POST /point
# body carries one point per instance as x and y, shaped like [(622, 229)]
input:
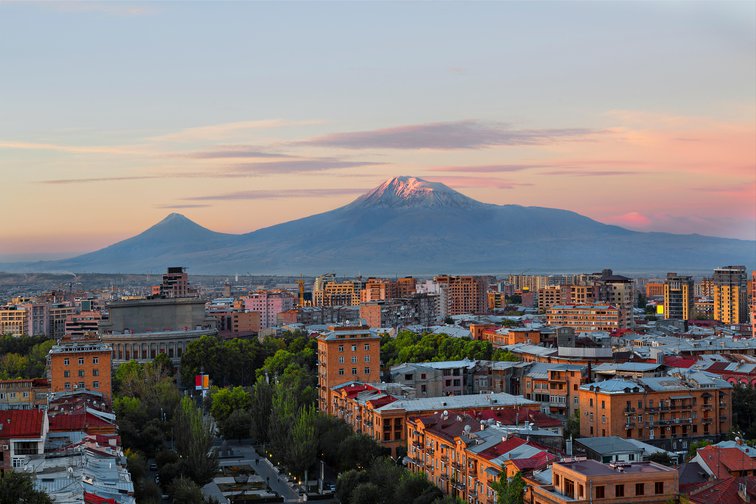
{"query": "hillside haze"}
[(409, 225)]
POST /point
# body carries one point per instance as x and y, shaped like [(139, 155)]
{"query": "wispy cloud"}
[(71, 149), (298, 166), (461, 182), (468, 134), (99, 179), (502, 168), (591, 173), (234, 152), (258, 194), (182, 206), (221, 131)]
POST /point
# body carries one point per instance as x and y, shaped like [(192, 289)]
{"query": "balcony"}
[(457, 465), (26, 451)]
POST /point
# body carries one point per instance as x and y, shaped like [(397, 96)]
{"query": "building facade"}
[(585, 318), (678, 297), (84, 364), (730, 295)]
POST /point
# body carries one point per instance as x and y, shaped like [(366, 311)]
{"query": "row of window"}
[(95, 360), (354, 347), (354, 359), (67, 373), (11, 395), (95, 384), (354, 371)]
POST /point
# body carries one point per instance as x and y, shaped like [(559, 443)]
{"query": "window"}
[(659, 487), (81, 361), (95, 360), (354, 359), (66, 373), (26, 394), (81, 384), (354, 370), (341, 348), (591, 402), (367, 358), (341, 371), (599, 492), (65, 362), (422, 376), (639, 488), (67, 386), (603, 404), (367, 347), (95, 372), (367, 370), (574, 386), (354, 348), (619, 490), (603, 419), (81, 373), (96, 384)]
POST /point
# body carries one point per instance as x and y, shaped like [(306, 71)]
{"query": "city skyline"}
[(242, 116)]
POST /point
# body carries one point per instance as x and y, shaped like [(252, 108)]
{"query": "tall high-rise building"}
[(346, 353), (678, 297), (464, 294), (730, 295), (618, 291), (269, 304)]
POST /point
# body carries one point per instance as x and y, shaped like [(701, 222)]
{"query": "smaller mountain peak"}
[(174, 217), (408, 191)]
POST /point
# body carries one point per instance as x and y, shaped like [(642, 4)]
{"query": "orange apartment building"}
[(334, 293), (654, 289), (81, 365), (585, 317), (378, 289), (81, 324), (13, 321), (346, 354), (668, 411), (463, 456), (464, 294), (589, 481), (555, 386), (382, 410), (23, 394)]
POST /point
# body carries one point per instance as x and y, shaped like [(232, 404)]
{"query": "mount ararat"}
[(409, 226)]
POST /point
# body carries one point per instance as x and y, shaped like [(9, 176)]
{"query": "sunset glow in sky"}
[(245, 115)]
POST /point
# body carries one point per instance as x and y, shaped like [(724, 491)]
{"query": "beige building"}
[(13, 321), (585, 318), (678, 297), (730, 295)]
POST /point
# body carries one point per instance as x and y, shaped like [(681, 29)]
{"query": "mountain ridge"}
[(412, 226)]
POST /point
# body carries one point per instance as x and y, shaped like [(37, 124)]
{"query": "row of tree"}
[(23, 357), (408, 346)]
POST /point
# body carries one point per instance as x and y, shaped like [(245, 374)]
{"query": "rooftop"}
[(594, 468)]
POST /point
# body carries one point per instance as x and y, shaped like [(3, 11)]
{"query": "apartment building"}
[(585, 317), (617, 291), (654, 290), (269, 303), (584, 481), (382, 410), (678, 297), (81, 365), (13, 321), (333, 293), (22, 433), (23, 393), (730, 295), (346, 354), (555, 386), (463, 455), (80, 324), (464, 294), (667, 411)]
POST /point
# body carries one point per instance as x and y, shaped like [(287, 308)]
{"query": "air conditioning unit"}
[(4, 447)]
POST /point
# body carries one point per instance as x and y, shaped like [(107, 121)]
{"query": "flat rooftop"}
[(594, 468)]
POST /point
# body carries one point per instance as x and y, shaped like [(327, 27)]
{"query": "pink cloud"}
[(630, 219)]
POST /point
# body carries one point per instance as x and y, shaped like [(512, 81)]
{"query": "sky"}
[(242, 115)]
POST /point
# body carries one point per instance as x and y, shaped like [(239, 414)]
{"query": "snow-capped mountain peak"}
[(406, 191)]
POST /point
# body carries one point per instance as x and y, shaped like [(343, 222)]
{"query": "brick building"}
[(81, 365), (668, 411), (585, 318)]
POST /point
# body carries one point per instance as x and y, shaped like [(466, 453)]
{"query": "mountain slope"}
[(408, 225)]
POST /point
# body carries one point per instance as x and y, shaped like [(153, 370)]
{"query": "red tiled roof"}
[(679, 362), (354, 390), (66, 422), (723, 491), (21, 423), (500, 449), (381, 401), (537, 461)]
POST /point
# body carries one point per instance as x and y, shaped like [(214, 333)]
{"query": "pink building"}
[(269, 304)]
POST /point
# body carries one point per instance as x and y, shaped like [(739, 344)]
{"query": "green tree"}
[(661, 458), (194, 438), (186, 491), (695, 445), (16, 487), (573, 426), (237, 425), (303, 449), (227, 400), (367, 493), (509, 491), (744, 410), (347, 482), (504, 355), (282, 415), (260, 406), (358, 450)]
